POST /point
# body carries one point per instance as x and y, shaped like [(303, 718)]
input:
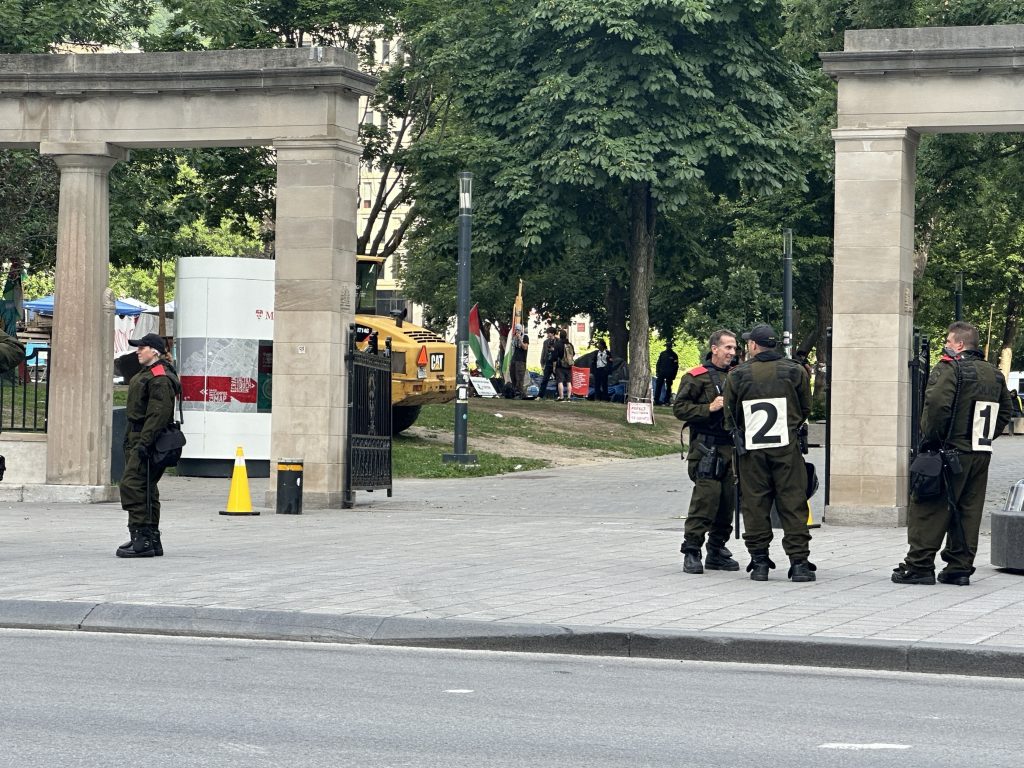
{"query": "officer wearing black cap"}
[(150, 408), (767, 398)]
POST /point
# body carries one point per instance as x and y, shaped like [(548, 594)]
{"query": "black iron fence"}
[(369, 419), (920, 369), (828, 415), (25, 394)]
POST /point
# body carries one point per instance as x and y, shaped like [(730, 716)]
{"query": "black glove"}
[(143, 451)]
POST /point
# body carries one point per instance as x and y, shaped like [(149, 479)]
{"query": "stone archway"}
[(894, 85), (88, 112)]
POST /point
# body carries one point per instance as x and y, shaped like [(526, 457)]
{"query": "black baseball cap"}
[(150, 340), (762, 334)]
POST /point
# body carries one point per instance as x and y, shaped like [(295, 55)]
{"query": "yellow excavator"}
[(422, 363)]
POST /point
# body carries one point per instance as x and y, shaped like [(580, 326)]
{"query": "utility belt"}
[(711, 438)]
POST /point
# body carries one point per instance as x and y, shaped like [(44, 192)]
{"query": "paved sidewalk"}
[(582, 559)]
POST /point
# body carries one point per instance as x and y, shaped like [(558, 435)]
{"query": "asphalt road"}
[(75, 699)]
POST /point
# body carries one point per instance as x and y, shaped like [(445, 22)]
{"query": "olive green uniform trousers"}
[(133, 487), (929, 522), (779, 475), (711, 505)]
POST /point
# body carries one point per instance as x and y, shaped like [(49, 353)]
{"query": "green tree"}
[(44, 26), (29, 183), (628, 106)]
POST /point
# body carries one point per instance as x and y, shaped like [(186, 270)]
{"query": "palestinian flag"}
[(517, 319), (11, 303), (477, 342)]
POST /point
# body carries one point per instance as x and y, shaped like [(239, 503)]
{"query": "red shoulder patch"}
[(698, 370), (158, 370)]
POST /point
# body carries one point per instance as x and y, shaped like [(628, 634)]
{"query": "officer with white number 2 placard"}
[(767, 398), (966, 407)]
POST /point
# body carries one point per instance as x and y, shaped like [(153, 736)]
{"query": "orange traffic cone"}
[(239, 501)]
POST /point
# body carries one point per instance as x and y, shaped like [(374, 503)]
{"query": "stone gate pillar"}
[(314, 303), (81, 365), (873, 309)]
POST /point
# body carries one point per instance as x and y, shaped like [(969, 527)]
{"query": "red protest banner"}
[(580, 381)]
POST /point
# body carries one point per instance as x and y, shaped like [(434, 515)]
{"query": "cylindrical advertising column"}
[(224, 325)]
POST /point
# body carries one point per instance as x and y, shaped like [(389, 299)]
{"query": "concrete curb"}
[(899, 656)]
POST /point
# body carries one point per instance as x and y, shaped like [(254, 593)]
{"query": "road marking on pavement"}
[(244, 749), (840, 745), (459, 690)]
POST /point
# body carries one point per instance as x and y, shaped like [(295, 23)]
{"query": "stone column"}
[(873, 308), (81, 365), (314, 303)]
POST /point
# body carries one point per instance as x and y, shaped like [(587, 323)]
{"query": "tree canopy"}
[(635, 160)]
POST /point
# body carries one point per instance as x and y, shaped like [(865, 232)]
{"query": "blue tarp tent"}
[(44, 306)]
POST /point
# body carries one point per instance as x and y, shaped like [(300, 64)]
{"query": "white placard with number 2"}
[(983, 426), (765, 423)]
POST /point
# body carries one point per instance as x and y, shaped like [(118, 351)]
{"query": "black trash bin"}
[(289, 486)]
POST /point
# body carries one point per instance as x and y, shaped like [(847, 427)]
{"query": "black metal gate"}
[(920, 369), (25, 394), (828, 417), (368, 467)]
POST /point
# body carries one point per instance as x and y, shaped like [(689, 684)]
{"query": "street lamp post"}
[(958, 297), (787, 291), (459, 455)]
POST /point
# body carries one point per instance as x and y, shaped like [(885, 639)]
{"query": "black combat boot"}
[(759, 566), (957, 579), (901, 574), (158, 547), (141, 545), (691, 559), (802, 570), (720, 559), (131, 535)]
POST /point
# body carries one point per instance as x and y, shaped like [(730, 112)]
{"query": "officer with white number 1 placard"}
[(966, 407), (767, 398)]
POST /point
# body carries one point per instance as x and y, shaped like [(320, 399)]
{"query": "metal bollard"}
[(289, 486), (1007, 542)]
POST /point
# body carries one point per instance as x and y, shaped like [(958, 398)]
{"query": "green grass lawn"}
[(580, 426), (416, 457)]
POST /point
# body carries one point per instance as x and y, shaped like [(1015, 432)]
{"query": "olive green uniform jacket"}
[(983, 409), (712, 503), (772, 470), (150, 408), (12, 352)]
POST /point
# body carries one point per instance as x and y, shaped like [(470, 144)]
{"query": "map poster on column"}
[(219, 374)]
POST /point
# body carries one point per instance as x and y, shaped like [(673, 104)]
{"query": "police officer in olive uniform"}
[(12, 352), (767, 398), (150, 408), (709, 461), (983, 409)]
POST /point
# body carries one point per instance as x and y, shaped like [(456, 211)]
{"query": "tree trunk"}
[(824, 311), (642, 220), (615, 301), (1010, 330)]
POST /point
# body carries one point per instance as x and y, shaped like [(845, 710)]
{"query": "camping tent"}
[(44, 306)]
